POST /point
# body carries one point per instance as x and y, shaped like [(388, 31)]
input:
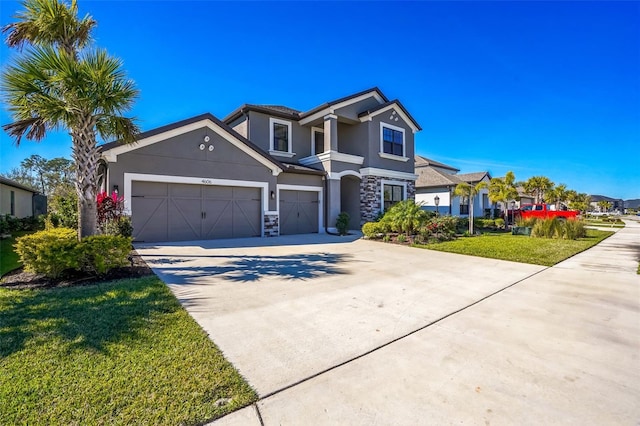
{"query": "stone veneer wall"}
[(370, 190), (271, 225)]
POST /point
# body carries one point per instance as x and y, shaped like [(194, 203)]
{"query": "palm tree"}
[(470, 191), (50, 23), (502, 190), (604, 206), (556, 195), (538, 186), (48, 89)]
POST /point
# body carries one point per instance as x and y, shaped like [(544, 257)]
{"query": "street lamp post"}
[(437, 201)]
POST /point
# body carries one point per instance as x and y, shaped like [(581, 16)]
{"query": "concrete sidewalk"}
[(561, 347)]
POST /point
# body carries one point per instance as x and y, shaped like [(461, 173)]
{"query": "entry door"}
[(298, 212)]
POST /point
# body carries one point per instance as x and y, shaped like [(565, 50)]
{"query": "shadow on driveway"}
[(248, 268)]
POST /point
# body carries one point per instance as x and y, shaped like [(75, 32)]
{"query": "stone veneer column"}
[(271, 225), (371, 196)]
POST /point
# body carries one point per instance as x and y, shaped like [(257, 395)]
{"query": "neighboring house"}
[(440, 180), (20, 200), (616, 204), (266, 170), (523, 198)]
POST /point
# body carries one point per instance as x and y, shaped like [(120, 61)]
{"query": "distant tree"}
[(469, 191), (538, 186), (42, 174), (604, 205), (578, 201), (557, 195), (57, 84), (502, 190)]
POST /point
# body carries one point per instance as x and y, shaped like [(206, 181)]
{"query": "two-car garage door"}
[(180, 212)]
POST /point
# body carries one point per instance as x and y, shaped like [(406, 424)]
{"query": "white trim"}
[(399, 111), (111, 155), (339, 175), (273, 121), (392, 174), (384, 182), (129, 178), (393, 157), (330, 116), (332, 156), (332, 108), (404, 141), (313, 139), (282, 154), (318, 189)]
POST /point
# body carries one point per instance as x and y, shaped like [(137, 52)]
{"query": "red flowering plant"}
[(111, 217)]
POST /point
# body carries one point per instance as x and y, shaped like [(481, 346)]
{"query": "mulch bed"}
[(21, 280)]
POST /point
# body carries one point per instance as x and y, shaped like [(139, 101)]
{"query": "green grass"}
[(604, 224), (123, 352), (9, 260), (520, 248)]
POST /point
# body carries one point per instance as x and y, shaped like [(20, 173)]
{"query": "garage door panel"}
[(298, 212), (179, 212), (150, 219)]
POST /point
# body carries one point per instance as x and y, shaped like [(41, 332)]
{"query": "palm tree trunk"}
[(470, 215), (85, 153)]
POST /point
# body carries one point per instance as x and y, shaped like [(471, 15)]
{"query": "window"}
[(13, 203), (392, 140), (317, 141), (392, 195), (280, 137), (464, 205)]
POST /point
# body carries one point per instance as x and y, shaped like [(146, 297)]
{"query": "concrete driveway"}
[(337, 330)]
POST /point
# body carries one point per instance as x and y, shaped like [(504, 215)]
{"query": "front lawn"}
[(122, 352), (519, 248), (9, 260)]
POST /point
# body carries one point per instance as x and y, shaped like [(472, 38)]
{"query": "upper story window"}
[(280, 137), (392, 142), (317, 141)]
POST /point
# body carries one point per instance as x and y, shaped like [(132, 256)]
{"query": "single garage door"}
[(298, 212), (181, 212)]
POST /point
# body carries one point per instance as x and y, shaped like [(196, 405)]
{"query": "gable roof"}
[(430, 177), (365, 115), (421, 161), (374, 91), (275, 110), (13, 183), (473, 177), (112, 149)]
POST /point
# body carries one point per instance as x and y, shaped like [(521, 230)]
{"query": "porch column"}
[(333, 203), (331, 132)]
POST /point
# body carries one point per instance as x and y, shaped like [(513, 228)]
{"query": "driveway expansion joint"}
[(377, 348)]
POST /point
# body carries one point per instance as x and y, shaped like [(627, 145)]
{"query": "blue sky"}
[(539, 88)]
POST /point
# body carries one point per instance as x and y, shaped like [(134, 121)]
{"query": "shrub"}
[(499, 223), (49, 252), (484, 223), (462, 225), (342, 223), (110, 211), (405, 216), (402, 238), (386, 238), (547, 228), (120, 226), (530, 222), (574, 229), (373, 229), (98, 254), (440, 228)]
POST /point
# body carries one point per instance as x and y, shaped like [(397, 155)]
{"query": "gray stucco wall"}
[(352, 111), (353, 138), (181, 156), (300, 179), (374, 159), (259, 131)]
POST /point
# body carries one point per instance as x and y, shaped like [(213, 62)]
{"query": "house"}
[(266, 169), (616, 204), (439, 180), (20, 200)]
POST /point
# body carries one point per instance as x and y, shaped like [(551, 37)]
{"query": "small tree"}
[(503, 190), (470, 191), (538, 186), (604, 205)]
